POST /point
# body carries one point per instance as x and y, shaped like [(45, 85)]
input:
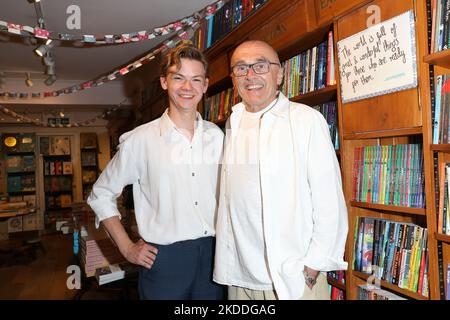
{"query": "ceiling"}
[(77, 63)]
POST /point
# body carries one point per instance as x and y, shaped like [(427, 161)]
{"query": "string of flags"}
[(28, 31), (184, 34), (39, 123)]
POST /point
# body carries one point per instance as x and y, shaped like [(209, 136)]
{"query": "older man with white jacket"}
[(282, 220)]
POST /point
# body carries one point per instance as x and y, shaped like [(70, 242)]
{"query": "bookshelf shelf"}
[(336, 284), (23, 191), (441, 59), (391, 286), (59, 192), (383, 207), (443, 237), (384, 133), (317, 97), (20, 153), (20, 172), (440, 147)]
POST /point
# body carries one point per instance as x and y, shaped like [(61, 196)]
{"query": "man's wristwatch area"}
[(309, 279)]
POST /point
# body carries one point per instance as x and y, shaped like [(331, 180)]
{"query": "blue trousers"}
[(181, 271)]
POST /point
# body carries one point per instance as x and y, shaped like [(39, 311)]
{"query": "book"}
[(89, 176), (27, 142), (67, 167), (109, 273), (59, 146), (65, 200), (14, 163), (448, 282), (88, 140), (114, 272), (89, 158), (44, 145)]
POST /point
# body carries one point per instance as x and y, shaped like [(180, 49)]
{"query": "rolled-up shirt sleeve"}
[(119, 172), (326, 249)]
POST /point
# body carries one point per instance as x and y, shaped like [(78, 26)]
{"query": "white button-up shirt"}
[(175, 181), (303, 207)]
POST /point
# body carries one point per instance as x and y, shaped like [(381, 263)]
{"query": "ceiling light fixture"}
[(28, 81), (43, 49)]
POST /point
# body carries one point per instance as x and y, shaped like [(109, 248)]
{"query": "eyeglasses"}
[(261, 67)]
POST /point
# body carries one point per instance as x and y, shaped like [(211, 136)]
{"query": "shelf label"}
[(378, 60)]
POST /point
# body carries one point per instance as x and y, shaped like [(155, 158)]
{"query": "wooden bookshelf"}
[(402, 117), (391, 287), (443, 237), (317, 97), (383, 207), (440, 147), (336, 283), (384, 133), (441, 59)]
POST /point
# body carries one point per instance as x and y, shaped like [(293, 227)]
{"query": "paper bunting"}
[(185, 30), (103, 79), (26, 119), (189, 21)]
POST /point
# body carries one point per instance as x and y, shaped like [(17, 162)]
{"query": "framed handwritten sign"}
[(378, 60)]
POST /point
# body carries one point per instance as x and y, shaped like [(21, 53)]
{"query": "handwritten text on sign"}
[(378, 60)]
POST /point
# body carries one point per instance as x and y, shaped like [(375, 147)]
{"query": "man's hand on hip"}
[(141, 253), (310, 276)]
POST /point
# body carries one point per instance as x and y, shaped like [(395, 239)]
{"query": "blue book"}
[(437, 112), (210, 31), (320, 66)]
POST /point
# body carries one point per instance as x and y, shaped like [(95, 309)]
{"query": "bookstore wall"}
[(371, 70), (48, 170)]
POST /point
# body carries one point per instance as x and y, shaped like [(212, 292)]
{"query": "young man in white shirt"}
[(282, 220), (173, 165)]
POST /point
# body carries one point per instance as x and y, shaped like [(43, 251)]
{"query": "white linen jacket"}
[(304, 212)]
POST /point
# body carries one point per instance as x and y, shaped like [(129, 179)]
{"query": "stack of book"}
[(96, 251), (115, 272)]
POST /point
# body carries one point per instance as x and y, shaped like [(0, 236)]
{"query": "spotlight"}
[(50, 80), (61, 113), (43, 49), (28, 81)]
